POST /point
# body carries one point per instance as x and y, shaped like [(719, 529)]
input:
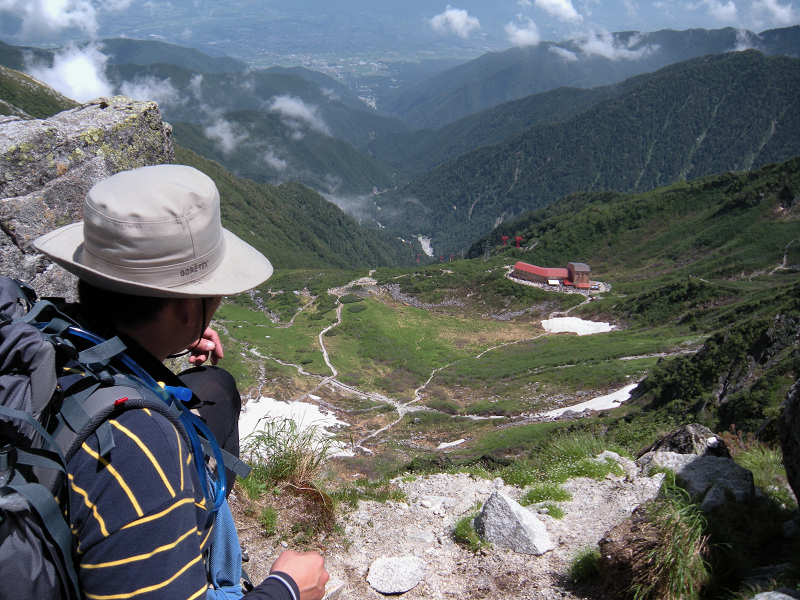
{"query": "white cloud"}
[(563, 53), (149, 88), (726, 13), (78, 73), (195, 86), (225, 134), (43, 17), (523, 34), (610, 47), (560, 9), (274, 161), (744, 40), (295, 113), (455, 21), (777, 14)]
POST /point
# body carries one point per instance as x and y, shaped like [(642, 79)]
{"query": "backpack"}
[(59, 385)]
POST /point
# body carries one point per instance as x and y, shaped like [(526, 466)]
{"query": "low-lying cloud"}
[(610, 47), (78, 73), (296, 114), (455, 20), (226, 136), (149, 88)]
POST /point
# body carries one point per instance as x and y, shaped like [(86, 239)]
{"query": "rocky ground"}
[(422, 527)]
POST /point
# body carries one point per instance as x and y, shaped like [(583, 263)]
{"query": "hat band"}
[(168, 276)]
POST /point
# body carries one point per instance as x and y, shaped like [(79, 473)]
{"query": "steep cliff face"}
[(47, 166)]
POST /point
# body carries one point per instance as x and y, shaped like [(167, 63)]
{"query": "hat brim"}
[(242, 268)]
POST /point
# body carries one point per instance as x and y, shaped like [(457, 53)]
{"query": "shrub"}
[(356, 308), (583, 565), (268, 519)]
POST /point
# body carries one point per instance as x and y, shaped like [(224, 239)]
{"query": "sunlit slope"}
[(720, 113)]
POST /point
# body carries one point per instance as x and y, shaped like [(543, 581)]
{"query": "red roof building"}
[(577, 274)]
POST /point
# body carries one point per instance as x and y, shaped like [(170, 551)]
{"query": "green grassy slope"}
[(22, 95), (719, 113)]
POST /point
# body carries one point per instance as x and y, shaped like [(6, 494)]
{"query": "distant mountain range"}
[(725, 112), (498, 77)]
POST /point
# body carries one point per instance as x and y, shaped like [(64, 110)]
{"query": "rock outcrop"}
[(47, 166), (789, 433), (691, 439)]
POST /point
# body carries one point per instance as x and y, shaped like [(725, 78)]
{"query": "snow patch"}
[(305, 415), (575, 325), (600, 403)]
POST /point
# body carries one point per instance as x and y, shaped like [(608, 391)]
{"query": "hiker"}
[(153, 264)]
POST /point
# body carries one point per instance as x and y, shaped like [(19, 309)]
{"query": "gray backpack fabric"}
[(44, 419)]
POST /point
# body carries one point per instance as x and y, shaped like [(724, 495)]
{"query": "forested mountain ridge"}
[(719, 113), (498, 77), (295, 227)]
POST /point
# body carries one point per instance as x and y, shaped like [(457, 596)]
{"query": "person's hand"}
[(206, 348), (308, 571)]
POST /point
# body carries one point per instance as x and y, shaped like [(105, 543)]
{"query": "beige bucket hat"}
[(156, 231)]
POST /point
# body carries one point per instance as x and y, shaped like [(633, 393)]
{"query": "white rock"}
[(396, 575)]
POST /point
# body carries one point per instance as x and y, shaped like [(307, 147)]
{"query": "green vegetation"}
[(19, 92), (544, 492), (281, 452), (268, 519), (583, 565), (676, 566), (295, 227), (644, 138), (465, 535)]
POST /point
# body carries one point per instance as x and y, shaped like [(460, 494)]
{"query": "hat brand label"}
[(194, 268)]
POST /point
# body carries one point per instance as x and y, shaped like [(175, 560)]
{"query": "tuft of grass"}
[(268, 519), (544, 492), (379, 490), (282, 452), (583, 565), (554, 510), (676, 568), (769, 474), (465, 535)]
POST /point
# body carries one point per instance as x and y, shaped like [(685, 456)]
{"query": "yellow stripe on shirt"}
[(161, 514), (85, 447), (147, 453), (150, 588), (130, 559), (90, 504)]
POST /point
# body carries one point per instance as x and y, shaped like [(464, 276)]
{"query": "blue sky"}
[(501, 23)]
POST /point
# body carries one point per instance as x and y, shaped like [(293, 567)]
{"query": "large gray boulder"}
[(709, 480), (789, 434), (507, 524), (47, 166)]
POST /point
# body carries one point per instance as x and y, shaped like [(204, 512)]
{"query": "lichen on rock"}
[(48, 165)]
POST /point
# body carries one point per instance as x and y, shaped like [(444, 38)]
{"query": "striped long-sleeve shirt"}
[(139, 516)]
